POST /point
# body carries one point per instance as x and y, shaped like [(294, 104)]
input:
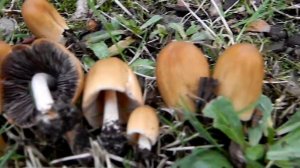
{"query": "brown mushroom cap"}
[(240, 72), (143, 121), (110, 74), (4, 50), (23, 63), (43, 20), (180, 65)]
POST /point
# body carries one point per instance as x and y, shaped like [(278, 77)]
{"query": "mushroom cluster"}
[(182, 72), (42, 82), (110, 95)]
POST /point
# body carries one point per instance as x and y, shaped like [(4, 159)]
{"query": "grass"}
[(197, 142)]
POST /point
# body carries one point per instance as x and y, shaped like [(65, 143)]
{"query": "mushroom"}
[(43, 20), (240, 72), (111, 92), (4, 50), (143, 127), (180, 65), (40, 85)]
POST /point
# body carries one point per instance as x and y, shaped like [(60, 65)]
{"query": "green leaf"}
[(101, 36), (286, 148), (292, 124), (199, 126), (225, 119), (266, 108), (154, 19), (9, 155), (255, 152), (287, 163), (143, 66), (192, 29), (99, 49), (179, 28), (204, 159), (88, 62), (199, 36), (253, 164), (129, 23), (255, 135)]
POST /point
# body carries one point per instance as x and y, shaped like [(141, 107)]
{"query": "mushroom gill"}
[(39, 83)]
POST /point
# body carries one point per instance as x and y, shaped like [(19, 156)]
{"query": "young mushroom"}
[(111, 92), (180, 66), (40, 85), (143, 127), (43, 20), (240, 72)]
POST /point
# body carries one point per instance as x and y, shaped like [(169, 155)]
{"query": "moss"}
[(69, 5)]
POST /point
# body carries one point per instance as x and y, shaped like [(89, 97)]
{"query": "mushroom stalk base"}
[(41, 93), (111, 112), (144, 142)]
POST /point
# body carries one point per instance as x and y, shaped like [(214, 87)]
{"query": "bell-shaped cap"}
[(144, 122), (240, 72), (180, 65), (23, 63), (43, 20), (114, 75)]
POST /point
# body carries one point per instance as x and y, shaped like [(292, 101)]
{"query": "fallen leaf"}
[(120, 46), (259, 26)]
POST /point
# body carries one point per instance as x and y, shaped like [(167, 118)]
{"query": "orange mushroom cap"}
[(240, 72), (43, 20), (180, 65), (110, 74), (5, 49), (143, 122)]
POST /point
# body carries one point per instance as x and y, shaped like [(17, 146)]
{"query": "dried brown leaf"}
[(259, 26)]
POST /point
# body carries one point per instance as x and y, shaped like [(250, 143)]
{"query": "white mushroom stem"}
[(111, 112), (144, 142), (41, 93)]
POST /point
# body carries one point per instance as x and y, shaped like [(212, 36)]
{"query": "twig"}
[(200, 20), (125, 10), (224, 22), (287, 15), (191, 148), (75, 157)]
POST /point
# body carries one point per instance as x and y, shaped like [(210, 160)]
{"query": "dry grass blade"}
[(212, 33), (230, 34)]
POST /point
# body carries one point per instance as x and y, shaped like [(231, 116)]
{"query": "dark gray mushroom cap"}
[(23, 63)]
